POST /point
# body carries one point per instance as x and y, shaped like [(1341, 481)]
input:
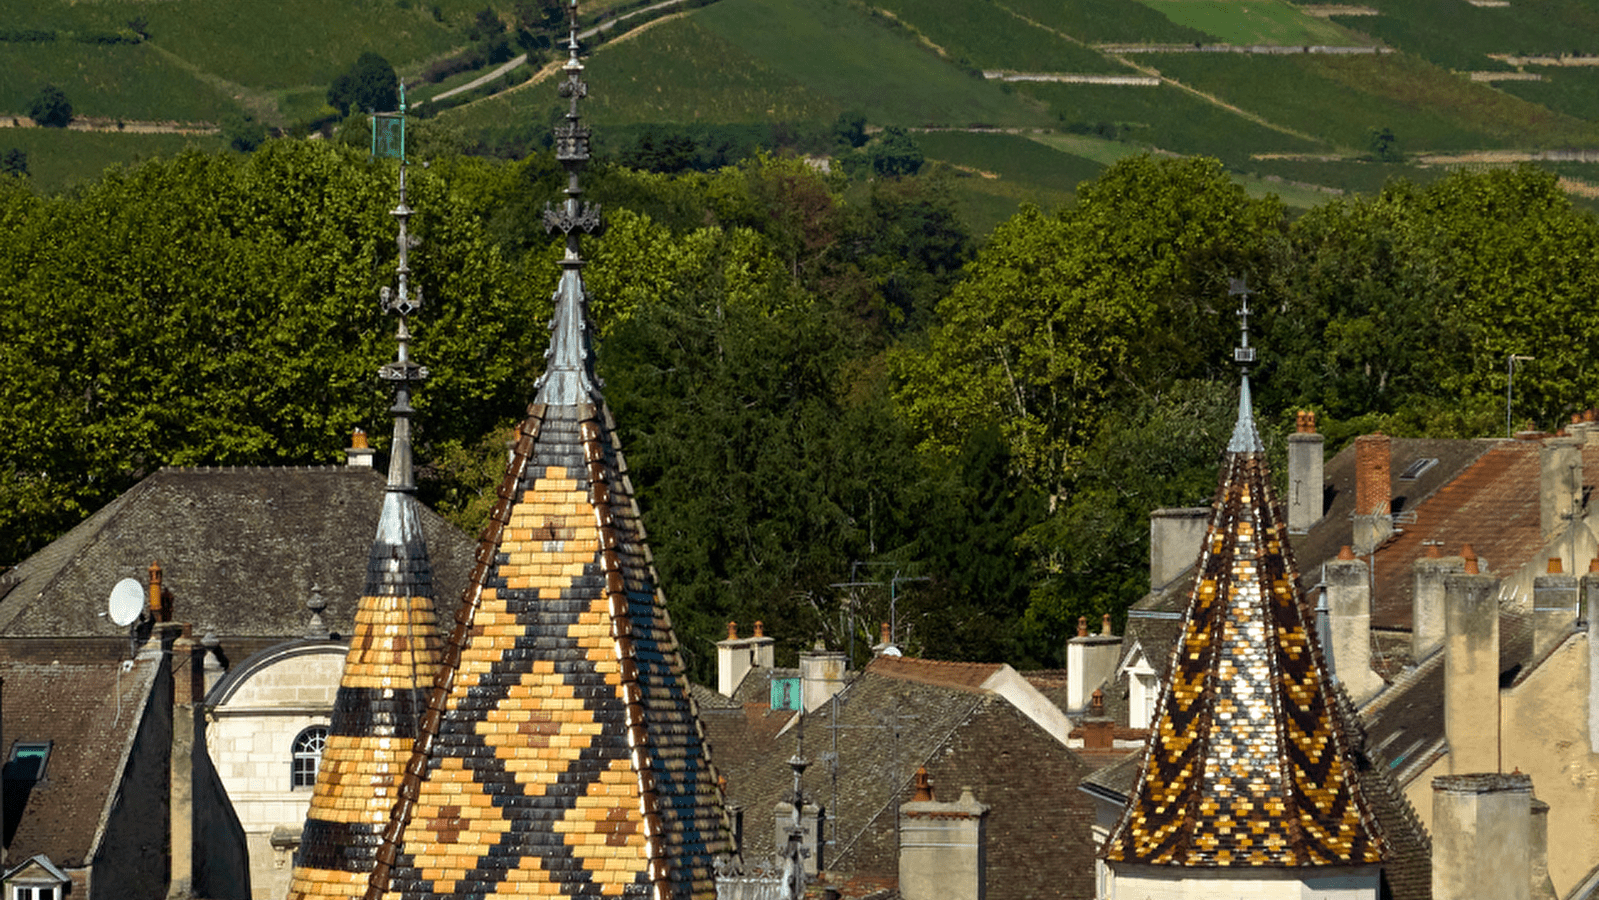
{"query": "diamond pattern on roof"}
[(1247, 765), (561, 754)]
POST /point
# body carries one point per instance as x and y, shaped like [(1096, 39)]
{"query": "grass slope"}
[(1573, 91), (127, 81), (837, 50), (58, 159), (1456, 35), (1255, 22), (1105, 21), (986, 35), (1427, 108)]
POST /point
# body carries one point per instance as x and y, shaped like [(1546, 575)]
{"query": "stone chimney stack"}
[(360, 453), (736, 656), (1427, 615), (1175, 538), (1554, 607), (1559, 483), (1374, 520), (184, 658), (1090, 659), (1482, 837), (1305, 457), (1543, 888), (942, 846), (821, 676), (1471, 670), (1349, 617)]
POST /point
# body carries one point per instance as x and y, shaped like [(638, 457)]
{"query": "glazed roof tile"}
[(1246, 763)]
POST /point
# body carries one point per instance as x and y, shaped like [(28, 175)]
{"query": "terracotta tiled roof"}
[(1247, 763), (969, 676)]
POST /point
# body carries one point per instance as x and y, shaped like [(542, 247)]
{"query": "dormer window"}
[(307, 756), (34, 892), (35, 878)]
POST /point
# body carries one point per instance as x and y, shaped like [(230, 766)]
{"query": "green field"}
[(1254, 22), (987, 36), (1427, 108), (994, 174), (1104, 21), (58, 159), (123, 81), (1571, 90), (1164, 117), (1353, 176), (837, 51), (1457, 35)]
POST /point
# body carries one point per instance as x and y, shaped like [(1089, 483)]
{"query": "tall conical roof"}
[(560, 753), (393, 655), (1246, 763)]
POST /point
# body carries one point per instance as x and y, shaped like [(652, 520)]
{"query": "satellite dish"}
[(127, 602)]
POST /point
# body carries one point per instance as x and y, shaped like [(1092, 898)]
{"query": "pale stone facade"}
[(1124, 882), (253, 718)]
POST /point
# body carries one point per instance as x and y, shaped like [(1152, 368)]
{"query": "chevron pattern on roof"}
[(561, 754), (390, 665), (1246, 765)]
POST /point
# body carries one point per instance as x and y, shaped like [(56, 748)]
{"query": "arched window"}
[(307, 755)]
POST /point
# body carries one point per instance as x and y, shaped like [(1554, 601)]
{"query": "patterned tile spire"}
[(560, 753), (1246, 763), (393, 653)]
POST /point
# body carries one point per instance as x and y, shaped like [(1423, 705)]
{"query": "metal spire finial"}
[(1246, 439), (402, 373), (569, 373)]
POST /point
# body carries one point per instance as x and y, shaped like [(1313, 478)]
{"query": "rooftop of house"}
[(233, 545), (87, 712)]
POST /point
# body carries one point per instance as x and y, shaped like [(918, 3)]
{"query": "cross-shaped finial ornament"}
[(1239, 287)]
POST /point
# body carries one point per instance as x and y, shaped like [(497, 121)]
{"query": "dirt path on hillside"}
[(122, 126)]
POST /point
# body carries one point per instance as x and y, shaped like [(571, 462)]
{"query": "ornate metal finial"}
[(1246, 439), (407, 299), (1242, 354), (794, 853), (569, 372)]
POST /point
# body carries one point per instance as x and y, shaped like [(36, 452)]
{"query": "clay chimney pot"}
[(924, 787), (1345, 553), (1554, 565), (1082, 626), (358, 440), (760, 628), (882, 634), (732, 631), (1104, 624)]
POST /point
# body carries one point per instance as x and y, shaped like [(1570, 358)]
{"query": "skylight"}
[(1416, 467), (27, 762)]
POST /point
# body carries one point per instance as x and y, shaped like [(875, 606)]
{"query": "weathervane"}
[(402, 373)]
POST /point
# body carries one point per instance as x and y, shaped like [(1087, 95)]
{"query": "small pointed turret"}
[(1246, 764), (393, 649)]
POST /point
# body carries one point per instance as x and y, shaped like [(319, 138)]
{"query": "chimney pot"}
[(1432, 550), (1593, 564), (358, 440), (732, 631), (760, 628), (1097, 706), (1082, 626), (924, 787), (1345, 553), (1554, 565), (882, 634), (1104, 624)]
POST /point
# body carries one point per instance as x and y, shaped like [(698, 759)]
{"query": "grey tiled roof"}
[(240, 549)]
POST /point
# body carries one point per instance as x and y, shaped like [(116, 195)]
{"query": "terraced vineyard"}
[(1011, 95)]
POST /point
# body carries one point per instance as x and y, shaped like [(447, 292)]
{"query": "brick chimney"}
[(1482, 837), (1471, 670), (1374, 520), (1349, 620), (1305, 457)]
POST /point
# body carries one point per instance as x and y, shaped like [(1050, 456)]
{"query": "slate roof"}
[(1247, 764), (560, 753), (90, 712), (232, 543), (896, 715)]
